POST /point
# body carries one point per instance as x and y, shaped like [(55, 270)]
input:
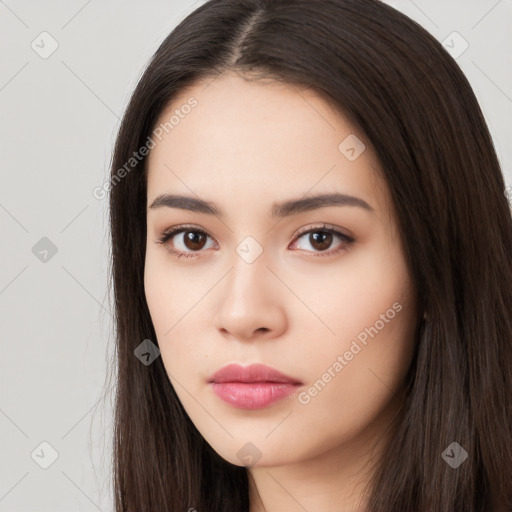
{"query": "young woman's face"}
[(261, 280)]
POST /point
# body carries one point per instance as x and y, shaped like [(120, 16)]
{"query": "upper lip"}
[(251, 373)]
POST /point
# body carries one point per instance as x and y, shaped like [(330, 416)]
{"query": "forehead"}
[(260, 140)]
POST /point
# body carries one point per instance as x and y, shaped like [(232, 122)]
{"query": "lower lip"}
[(255, 395)]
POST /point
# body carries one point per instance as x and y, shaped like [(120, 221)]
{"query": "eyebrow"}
[(284, 209)]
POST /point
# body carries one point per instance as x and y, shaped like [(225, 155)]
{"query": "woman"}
[(312, 270)]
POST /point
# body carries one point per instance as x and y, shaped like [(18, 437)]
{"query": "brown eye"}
[(320, 240), (194, 240)]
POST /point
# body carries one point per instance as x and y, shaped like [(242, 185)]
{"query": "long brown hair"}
[(402, 89)]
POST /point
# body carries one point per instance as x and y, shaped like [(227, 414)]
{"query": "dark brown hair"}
[(409, 97)]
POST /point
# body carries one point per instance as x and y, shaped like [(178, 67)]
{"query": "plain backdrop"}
[(67, 71)]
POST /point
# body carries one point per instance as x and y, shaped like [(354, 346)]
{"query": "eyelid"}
[(323, 226)]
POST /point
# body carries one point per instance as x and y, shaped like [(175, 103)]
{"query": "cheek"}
[(162, 288), (171, 299), (352, 387), (351, 296), (361, 367), (161, 293)]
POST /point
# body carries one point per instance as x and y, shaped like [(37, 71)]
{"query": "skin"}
[(243, 147)]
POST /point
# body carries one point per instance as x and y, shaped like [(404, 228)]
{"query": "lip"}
[(252, 387), (251, 373)]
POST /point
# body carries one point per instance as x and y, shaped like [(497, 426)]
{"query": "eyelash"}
[(170, 233)]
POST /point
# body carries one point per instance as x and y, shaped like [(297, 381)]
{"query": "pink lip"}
[(252, 387)]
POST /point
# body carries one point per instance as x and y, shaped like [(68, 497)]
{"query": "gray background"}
[(58, 119)]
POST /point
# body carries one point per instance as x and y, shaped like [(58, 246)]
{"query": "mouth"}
[(252, 387)]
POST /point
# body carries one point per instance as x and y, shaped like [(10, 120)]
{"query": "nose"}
[(251, 302)]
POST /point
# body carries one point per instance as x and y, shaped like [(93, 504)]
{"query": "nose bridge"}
[(248, 276)]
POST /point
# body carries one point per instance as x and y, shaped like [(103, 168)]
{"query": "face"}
[(318, 290)]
